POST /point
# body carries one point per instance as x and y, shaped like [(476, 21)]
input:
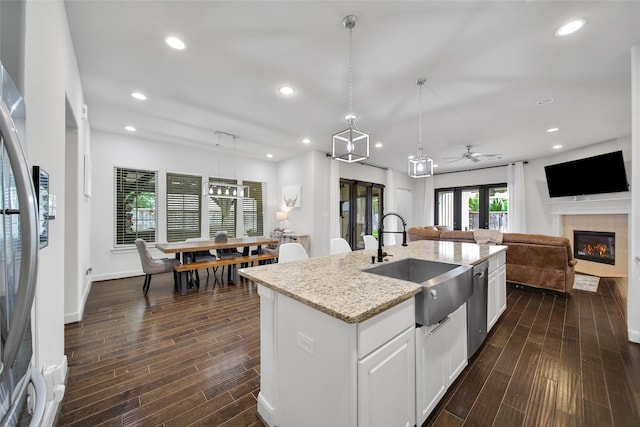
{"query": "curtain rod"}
[(363, 163), (477, 169)]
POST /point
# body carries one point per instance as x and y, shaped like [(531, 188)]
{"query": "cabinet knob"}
[(434, 294)]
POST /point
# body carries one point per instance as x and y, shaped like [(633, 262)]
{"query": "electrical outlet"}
[(306, 343)]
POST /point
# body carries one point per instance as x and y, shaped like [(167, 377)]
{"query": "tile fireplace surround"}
[(611, 214)]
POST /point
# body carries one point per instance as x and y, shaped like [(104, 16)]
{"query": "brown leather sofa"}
[(534, 260)]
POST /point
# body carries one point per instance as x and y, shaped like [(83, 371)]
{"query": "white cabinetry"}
[(320, 371), (497, 295), (386, 381), (441, 355)]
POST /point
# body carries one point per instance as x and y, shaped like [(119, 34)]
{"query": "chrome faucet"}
[(381, 232)]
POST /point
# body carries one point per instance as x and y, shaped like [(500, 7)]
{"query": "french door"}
[(473, 207), (361, 205)]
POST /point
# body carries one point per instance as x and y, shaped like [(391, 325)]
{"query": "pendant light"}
[(350, 145), (420, 166), (226, 190)]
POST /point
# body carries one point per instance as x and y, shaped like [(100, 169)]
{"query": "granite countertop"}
[(337, 286)]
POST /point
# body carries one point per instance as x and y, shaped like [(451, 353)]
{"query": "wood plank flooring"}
[(172, 360)]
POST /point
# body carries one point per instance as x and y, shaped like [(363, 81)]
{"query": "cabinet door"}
[(386, 384), (456, 333), (431, 372), (492, 299), (501, 295)]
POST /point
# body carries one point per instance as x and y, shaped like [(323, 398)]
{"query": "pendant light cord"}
[(420, 82), (350, 73)]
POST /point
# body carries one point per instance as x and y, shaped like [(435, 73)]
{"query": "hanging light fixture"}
[(220, 188), (420, 166), (350, 145)]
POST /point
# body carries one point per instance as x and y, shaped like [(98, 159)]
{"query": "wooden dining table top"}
[(204, 245)]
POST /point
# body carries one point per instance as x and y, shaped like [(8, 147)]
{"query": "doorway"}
[(361, 204)]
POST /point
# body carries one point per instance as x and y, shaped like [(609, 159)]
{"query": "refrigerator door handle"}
[(29, 225)]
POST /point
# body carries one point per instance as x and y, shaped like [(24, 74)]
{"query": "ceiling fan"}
[(474, 156)]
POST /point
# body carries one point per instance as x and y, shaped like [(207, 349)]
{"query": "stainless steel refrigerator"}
[(22, 388)]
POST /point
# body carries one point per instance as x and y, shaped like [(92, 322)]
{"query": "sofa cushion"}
[(423, 233), (458, 236)]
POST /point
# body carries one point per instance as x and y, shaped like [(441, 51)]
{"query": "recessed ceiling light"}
[(557, 147), (411, 157), (570, 27), (130, 128), (378, 145), (435, 165), (269, 155), (306, 141), (543, 101), (286, 90), (175, 43), (550, 130), (139, 95)]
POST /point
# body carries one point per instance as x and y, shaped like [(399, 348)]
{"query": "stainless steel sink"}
[(445, 286)]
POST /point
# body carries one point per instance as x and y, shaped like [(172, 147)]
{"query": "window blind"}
[(135, 207), (222, 212), (253, 208), (184, 202)]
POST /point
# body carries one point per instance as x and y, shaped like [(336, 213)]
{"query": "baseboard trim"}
[(117, 275)]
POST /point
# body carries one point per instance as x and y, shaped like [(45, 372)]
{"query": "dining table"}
[(182, 249)]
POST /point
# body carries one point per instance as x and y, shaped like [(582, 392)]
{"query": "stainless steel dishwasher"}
[(477, 309)]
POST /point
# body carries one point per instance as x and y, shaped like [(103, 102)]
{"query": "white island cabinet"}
[(320, 371), (340, 347), (441, 355), (497, 293)]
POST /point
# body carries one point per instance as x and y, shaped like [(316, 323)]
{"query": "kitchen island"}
[(338, 344)]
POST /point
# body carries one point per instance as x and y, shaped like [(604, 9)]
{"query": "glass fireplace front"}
[(596, 246)]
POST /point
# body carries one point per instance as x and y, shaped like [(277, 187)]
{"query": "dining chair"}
[(201, 256), (370, 242), (152, 265), (339, 246), (291, 252)]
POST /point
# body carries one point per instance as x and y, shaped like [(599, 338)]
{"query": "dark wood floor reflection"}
[(174, 360)]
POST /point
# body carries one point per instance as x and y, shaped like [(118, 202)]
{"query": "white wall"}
[(112, 150), (50, 77)]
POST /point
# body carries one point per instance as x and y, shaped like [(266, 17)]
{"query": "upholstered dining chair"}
[(152, 265), (289, 252), (339, 246), (370, 242), (201, 255)]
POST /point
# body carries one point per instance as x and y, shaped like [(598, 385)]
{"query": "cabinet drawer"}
[(378, 330)]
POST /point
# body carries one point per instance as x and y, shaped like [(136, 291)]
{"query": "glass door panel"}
[(445, 208), (498, 208), (470, 209), (360, 210)]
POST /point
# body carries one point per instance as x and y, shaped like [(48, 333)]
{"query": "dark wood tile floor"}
[(171, 360)]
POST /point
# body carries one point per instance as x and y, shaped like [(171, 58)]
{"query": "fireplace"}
[(596, 246)]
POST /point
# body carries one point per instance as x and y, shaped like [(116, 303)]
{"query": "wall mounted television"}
[(604, 173)]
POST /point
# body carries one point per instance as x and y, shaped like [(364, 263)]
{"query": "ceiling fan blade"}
[(456, 159), (474, 159), (493, 156)]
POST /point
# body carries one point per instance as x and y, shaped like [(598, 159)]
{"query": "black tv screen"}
[(592, 175)]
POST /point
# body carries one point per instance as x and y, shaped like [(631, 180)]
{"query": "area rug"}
[(587, 283)]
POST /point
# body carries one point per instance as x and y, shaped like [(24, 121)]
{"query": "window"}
[(222, 211), (136, 198), (253, 208), (470, 208), (184, 201)]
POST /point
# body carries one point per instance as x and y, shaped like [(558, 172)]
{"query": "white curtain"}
[(517, 209), (390, 224), (334, 199), (428, 203)]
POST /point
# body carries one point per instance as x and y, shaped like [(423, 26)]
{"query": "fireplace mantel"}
[(587, 205)]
